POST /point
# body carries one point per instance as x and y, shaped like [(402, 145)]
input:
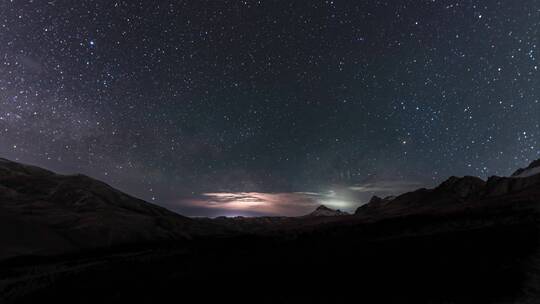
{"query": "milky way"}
[(169, 100)]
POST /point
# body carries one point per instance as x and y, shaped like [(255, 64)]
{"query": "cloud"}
[(264, 203), (241, 203), (336, 200), (386, 186), (286, 203)]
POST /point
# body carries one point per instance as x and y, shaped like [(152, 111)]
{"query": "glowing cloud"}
[(290, 204)]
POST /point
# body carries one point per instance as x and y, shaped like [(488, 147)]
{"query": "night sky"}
[(270, 107)]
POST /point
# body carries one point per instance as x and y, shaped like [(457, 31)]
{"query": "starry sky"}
[(207, 107)]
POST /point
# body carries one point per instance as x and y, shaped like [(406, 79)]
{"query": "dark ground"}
[(467, 258)]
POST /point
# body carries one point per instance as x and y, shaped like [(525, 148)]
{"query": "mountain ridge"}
[(532, 169), (322, 210), (75, 212), (456, 191)]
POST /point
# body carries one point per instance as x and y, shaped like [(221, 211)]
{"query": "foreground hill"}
[(46, 213)]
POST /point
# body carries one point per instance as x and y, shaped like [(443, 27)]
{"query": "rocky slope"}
[(46, 213)]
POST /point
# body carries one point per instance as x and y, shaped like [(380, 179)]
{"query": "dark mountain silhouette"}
[(461, 193), (465, 241), (47, 213)]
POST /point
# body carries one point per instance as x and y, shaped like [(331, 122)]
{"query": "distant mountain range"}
[(47, 213), (461, 192)]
